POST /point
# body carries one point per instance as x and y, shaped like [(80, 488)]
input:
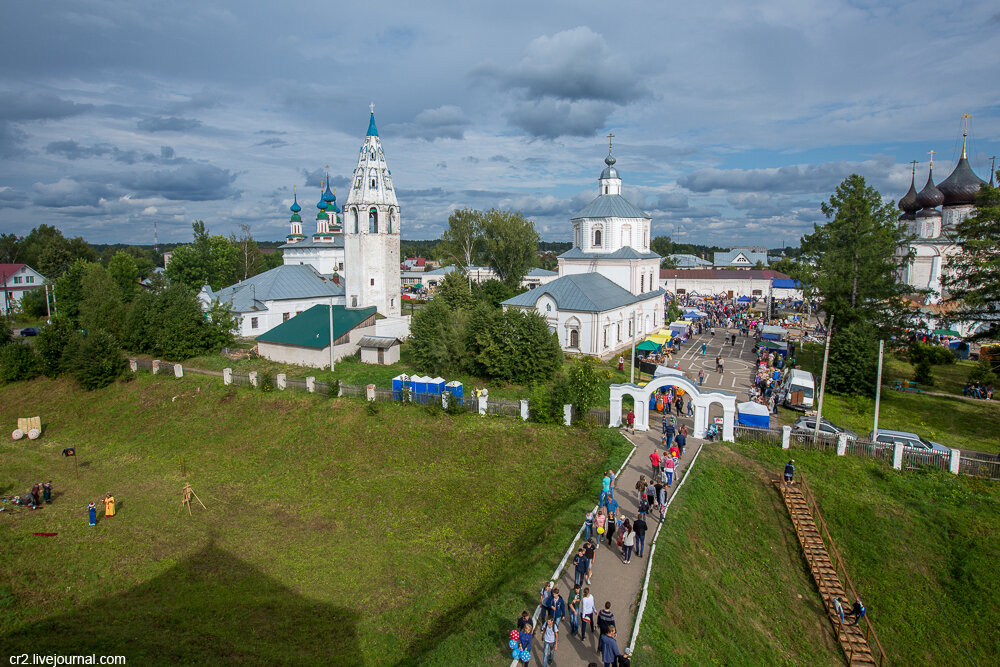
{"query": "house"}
[(413, 264), (685, 261), (275, 296), (382, 350), (537, 277), (17, 280), (727, 283), (740, 258), (305, 338)]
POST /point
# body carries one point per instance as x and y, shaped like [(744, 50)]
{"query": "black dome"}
[(908, 203), (962, 186), (928, 213), (906, 217), (930, 196)]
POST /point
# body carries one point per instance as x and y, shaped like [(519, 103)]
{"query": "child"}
[(92, 513)]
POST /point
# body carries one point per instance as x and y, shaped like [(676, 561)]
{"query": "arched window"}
[(392, 220), (605, 189), (642, 283), (574, 338), (597, 238), (373, 153), (626, 235), (354, 216), (373, 220)]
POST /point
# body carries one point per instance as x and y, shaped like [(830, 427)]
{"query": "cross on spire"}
[(611, 135), (371, 107), (931, 153), (965, 132), (914, 169)]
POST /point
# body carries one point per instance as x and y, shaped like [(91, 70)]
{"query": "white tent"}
[(753, 414)]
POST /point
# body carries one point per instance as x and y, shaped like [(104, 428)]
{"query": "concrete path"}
[(612, 580)]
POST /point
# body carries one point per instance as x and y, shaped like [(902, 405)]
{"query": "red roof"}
[(9, 269), (720, 274)]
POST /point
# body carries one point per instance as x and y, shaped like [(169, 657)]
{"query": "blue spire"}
[(321, 204), (372, 130)]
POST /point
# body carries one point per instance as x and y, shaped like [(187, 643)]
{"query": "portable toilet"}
[(419, 388), (398, 383), (434, 387), (455, 389)]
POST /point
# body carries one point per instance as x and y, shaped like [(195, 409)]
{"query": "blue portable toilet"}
[(434, 387), (419, 388), (398, 383), (455, 389)]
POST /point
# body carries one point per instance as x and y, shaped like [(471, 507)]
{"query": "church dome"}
[(295, 208), (610, 171), (321, 204), (927, 213), (930, 196), (962, 186), (295, 218), (908, 204), (328, 196)]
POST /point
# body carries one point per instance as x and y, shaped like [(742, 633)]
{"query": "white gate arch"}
[(701, 399)]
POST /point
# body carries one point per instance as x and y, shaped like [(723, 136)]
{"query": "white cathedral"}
[(607, 291), (351, 260)]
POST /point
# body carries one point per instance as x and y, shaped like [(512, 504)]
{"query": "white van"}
[(799, 381)]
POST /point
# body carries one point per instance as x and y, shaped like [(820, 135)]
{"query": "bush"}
[(922, 372), (585, 385), (853, 367), (97, 360), (18, 361), (6, 333), (53, 344), (372, 408), (265, 382), (983, 373), (454, 407)]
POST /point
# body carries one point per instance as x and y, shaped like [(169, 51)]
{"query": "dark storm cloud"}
[(273, 142), (10, 140), (11, 198), (550, 118), (791, 179), (71, 150), (444, 122), (74, 193), (314, 178), (168, 124), (499, 158), (197, 181), (671, 201)]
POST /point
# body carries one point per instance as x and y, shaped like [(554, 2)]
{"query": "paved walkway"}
[(612, 580)]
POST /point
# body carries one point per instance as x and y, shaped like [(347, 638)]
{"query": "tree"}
[(209, 260), (509, 246), (972, 280), (983, 373), (53, 343), (674, 312), (463, 240), (853, 366), (454, 289), (662, 246), (586, 386), (68, 290), (855, 257), (438, 338), (98, 361), (33, 303), (18, 361), (511, 345), (125, 273), (6, 334), (10, 249), (101, 307), (250, 261), (494, 292)]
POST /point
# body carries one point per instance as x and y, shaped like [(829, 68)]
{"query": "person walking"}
[(573, 610), (92, 514), (639, 527), (588, 526), (611, 527), (605, 618), (704, 349), (621, 362), (839, 608), (654, 459), (545, 601), (558, 608), (857, 611), (701, 377), (628, 541), (580, 567), (524, 639), (668, 432), (789, 471), (681, 440), (679, 405), (630, 421), (605, 489), (722, 368), (668, 470), (690, 408), (550, 642), (587, 609), (590, 551), (600, 523), (609, 648)]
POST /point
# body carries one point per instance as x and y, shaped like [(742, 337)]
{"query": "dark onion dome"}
[(962, 186), (927, 213), (908, 204), (295, 208), (908, 216), (610, 171), (930, 196)]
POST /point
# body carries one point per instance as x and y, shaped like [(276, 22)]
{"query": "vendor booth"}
[(778, 347), (648, 346), (768, 332), (753, 414)]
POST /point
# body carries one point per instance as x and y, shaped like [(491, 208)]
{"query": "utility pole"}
[(632, 375), (48, 308), (822, 383), (878, 388), (332, 339)]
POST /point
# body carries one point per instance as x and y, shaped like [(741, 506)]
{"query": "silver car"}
[(807, 425), (907, 439)]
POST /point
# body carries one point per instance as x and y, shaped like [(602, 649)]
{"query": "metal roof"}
[(311, 328), (962, 186), (626, 252), (684, 261), (541, 273), (289, 281), (726, 258), (377, 342), (308, 242), (582, 292), (610, 206)]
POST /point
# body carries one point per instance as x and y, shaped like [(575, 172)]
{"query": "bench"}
[(912, 386)]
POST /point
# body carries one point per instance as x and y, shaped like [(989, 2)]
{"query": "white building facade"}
[(16, 280), (606, 291)]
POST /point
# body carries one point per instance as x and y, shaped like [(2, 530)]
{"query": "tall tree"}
[(855, 257), (510, 245), (463, 240), (125, 273), (101, 307), (972, 280), (209, 260), (250, 261)]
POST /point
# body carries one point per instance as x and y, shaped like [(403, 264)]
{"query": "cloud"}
[(550, 118), (196, 181), (671, 201), (499, 158), (25, 106), (71, 150), (809, 178), (70, 193), (444, 122), (11, 198), (273, 142), (168, 124), (11, 139)]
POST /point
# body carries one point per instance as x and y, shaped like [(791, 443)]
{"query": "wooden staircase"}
[(856, 640)]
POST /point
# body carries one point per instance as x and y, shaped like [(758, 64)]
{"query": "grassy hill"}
[(921, 547), (332, 536)]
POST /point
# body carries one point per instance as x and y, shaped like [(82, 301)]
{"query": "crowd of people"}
[(34, 497), (978, 390)]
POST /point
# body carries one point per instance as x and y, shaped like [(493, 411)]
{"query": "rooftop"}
[(311, 328), (583, 292), (626, 252), (610, 206), (288, 281)]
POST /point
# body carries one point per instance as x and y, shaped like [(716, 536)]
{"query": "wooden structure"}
[(30, 426), (186, 497), (859, 642)]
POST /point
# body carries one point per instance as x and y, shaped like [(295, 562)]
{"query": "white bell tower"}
[(371, 231)]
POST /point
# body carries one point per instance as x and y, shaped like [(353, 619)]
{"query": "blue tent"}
[(744, 299), (753, 414)]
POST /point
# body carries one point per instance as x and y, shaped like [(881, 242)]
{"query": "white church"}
[(351, 260), (607, 291)]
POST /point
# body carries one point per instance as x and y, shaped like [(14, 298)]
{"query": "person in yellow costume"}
[(109, 505)]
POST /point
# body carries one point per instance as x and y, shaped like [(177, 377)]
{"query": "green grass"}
[(729, 584), (954, 422), (331, 536), (922, 549)]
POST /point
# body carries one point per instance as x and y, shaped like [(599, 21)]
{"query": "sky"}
[(732, 120)]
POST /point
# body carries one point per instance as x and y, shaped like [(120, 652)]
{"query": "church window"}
[(357, 183), (630, 328), (392, 220), (574, 338), (605, 337), (373, 282), (627, 235), (373, 220), (354, 302), (392, 303), (605, 189), (354, 214), (642, 283), (373, 153), (548, 308), (373, 182), (285, 316), (253, 322), (597, 238)]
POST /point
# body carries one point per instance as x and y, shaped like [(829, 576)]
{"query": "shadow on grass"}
[(209, 608)]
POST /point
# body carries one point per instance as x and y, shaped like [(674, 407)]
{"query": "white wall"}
[(390, 355), (274, 315), (326, 260), (17, 285), (312, 357), (713, 286)]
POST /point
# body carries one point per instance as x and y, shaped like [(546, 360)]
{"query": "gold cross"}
[(966, 118), (931, 153), (611, 135)]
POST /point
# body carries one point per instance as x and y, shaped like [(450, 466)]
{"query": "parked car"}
[(807, 425), (29, 331), (911, 440)]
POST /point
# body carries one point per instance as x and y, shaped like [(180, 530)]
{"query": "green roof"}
[(649, 345), (947, 332), (311, 328), (771, 345)]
